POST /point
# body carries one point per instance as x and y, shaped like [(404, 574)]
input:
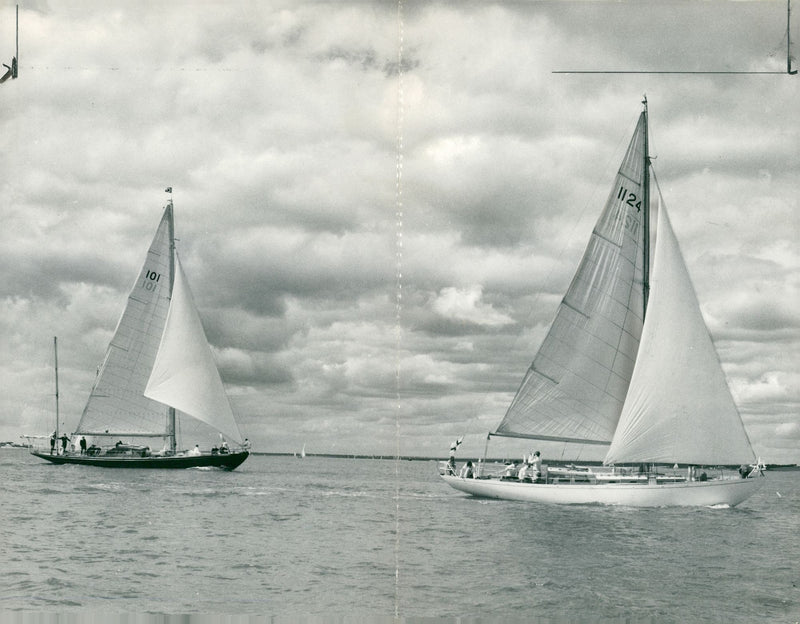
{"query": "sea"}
[(336, 539)]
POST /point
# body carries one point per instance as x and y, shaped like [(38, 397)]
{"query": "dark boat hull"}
[(227, 461)]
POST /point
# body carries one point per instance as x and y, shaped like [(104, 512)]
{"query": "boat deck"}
[(585, 475)]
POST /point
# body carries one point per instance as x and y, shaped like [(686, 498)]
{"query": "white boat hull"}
[(729, 492)]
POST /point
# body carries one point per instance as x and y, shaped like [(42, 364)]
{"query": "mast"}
[(646, 216), (173, 444), (55, 353), (789, 39)]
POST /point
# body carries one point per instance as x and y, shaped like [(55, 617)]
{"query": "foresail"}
[(576, 385), (679, 407), (184, 374), (117, 403)]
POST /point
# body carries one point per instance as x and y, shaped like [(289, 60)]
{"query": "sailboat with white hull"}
[(628, 363), (158, 370)]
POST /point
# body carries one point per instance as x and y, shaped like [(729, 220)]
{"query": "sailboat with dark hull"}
[(133, 456), (158, 371), (627, 363)]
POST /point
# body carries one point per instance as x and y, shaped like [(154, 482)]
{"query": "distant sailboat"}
[(303, 451), (158, 363), (628, 363)]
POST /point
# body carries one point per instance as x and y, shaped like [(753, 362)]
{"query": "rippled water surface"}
[(285, 537)]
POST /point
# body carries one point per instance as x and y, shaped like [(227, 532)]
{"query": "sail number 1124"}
[(629, 198)]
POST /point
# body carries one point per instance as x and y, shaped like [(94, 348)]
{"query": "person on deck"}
[(83, 445), (64, 441), (467, 471), (53, 443), (450, 469), (195, 450), (536, 465)]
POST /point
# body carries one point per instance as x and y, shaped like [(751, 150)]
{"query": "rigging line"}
[(789, 58), (141, 69), (636, 71)]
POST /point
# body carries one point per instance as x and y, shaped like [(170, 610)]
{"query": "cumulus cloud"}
[(466, 304)]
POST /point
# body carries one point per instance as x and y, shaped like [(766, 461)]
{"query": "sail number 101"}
[(150, 280)]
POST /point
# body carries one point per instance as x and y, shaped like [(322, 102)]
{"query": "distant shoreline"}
[(494, 460)]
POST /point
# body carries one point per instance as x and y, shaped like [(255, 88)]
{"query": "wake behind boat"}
[(158, 372), (628, 363)]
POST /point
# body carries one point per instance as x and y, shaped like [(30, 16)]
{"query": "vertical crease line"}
[(398, 297)]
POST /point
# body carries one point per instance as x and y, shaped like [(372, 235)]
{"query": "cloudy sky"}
[(323, 153)]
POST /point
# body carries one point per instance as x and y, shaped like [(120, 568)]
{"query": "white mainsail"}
[(576, 385), (184, 375), (117, 404), (679, 407)]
